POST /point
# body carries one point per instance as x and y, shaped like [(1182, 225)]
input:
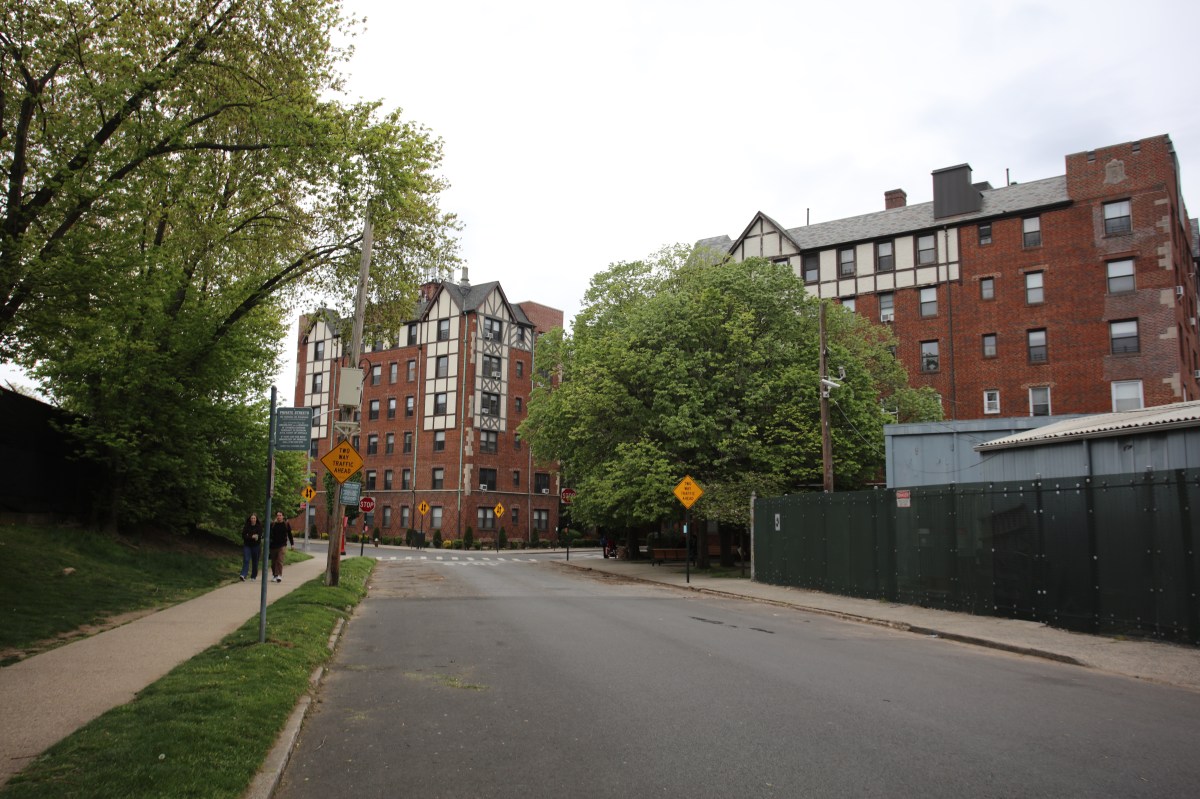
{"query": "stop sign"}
[(366, 504), (568, 494)]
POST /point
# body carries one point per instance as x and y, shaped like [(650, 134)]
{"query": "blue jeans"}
[(250, 559)]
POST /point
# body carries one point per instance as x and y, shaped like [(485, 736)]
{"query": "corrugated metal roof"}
[(1160, 417)]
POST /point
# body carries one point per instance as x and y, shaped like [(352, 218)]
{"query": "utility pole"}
[(347, 426), (826, 440)]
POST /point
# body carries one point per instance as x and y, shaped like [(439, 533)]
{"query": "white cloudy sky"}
[(577, 135)]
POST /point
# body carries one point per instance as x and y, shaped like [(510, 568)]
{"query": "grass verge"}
[(204, 729)]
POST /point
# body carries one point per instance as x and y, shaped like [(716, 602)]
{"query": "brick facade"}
[(1114, 302), (439, 414)]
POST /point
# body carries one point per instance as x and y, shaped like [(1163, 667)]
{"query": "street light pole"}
[(826, 439)]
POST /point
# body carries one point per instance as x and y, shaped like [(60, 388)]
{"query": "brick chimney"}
[(896, 198)]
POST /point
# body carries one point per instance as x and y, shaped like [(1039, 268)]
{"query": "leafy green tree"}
[(685, 364), (175, 177)]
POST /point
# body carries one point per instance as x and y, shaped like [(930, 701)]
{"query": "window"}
[(406, 479), (486, 517), (1126, 395), (811, 268), (1039, 401), (435, 517), (441, 366), (316, 417), (389, 444), (1124, 336), (354, 441), (387, 515), (408, 441), (411, 371), (443, 330), (887, 308), (393, 372), (487, 477), (1118, 218), (989, 345), (1120, 276), (493, 329), (885, 257), (926, 249), (520, 368), (489, 441), (410, 405), (987, 288), (439, 441), (849, 303), (319, 351), (370, 481), (541, 520), (541, 483), (439, 403), (376, 374), (846, 262), (489, 404), (1034, 294), (318, 382), (412, 334), (516, 478), (387, 479), (985, 234), (391, 411), (516, 517), (929, 301), (520, 340), (491, 366), (1037, 346), (929, 356), (1031, 231), (373, 444), (991, 401), (312, 447), (439, 477), (517, 400), (403, 515)]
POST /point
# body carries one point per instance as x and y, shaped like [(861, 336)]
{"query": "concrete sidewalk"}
[(47, 697), (1154, 661)]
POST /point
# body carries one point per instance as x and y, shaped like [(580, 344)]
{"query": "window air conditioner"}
[(483, 486), (887, 316), (488, 335), (484, 410), (545, 491), (1179, 291), (1196, 374)]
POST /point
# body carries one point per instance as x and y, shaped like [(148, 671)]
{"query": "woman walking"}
[(252, 532), (281, 536)]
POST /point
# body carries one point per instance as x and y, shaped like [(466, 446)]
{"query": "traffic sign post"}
[(687, 492)]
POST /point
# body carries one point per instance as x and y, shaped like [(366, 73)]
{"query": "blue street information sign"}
[(293, 429)]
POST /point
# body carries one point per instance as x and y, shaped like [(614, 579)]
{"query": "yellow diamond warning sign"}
[(688, 492), (342, 461), (308, 493), (498, 510)]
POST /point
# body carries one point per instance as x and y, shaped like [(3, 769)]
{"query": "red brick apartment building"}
[(1072, 294), (438, 416)]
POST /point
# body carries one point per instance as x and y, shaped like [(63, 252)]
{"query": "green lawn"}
[(204, 729)]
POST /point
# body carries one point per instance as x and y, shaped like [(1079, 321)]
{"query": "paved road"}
[(527, 680)]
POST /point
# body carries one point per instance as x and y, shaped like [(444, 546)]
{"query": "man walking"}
[(280, 538)]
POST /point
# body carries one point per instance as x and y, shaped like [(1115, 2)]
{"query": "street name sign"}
[(293, 429), (342, 461)]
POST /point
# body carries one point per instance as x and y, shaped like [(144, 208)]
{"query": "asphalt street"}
[(526, 679)]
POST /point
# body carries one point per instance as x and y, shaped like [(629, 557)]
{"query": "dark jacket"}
[(281, 535), (252, 534)]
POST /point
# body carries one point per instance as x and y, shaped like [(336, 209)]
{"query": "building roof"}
[(1144, 420), (1003, 201)]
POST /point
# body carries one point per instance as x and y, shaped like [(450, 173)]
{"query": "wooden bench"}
[(660, 554)]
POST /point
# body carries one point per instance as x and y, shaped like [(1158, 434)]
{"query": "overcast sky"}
[(578, 135)]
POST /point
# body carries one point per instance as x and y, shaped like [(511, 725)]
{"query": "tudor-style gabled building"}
[(439, 413), (1071, 294)]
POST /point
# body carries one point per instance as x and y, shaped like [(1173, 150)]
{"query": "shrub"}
[(437, 539), (468, 538)]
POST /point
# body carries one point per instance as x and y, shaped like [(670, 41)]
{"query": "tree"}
[(686, 364), (176, 175)]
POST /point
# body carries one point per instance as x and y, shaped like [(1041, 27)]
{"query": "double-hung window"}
[(929, 301), (885, 256), (1124, 336), (991, 400), (1031, 231), (989, 345), (887, 307), (929, 356), (811, 268), (1118, 218), (926, 249), (846, 262), (1037, 346), (1120, 276), (1034, 288)]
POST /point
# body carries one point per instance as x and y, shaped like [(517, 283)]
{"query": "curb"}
[(271, 772), (836, 614)]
